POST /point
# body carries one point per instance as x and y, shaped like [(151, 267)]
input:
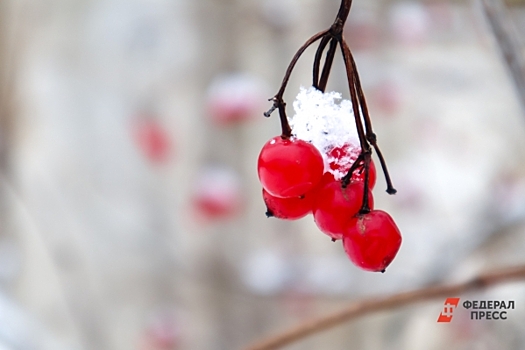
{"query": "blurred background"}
[(131, 216)]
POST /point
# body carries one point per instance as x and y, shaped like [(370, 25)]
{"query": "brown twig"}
[(278, 102), (370, 305), (507, 39), (317, 61)]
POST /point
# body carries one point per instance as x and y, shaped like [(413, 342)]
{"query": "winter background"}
[(131, 215)]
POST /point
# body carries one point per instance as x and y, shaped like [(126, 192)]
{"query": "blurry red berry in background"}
[(234, 98), (217, 194), (163, 333), (387, 97), (153, 140)]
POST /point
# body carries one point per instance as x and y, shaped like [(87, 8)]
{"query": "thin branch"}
[(370, 135), (371, 305), (317, 60), (343, 12), (296, 57), (507, 39), (335, 31), (278, 102), (328, 64), (353, 96)]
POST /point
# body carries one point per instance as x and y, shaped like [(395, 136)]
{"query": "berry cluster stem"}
[(333, 37)]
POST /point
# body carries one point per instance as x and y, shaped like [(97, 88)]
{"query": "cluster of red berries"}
[(292, 173)]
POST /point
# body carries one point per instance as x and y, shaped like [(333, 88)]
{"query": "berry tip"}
[(269, 214), (391, 190)]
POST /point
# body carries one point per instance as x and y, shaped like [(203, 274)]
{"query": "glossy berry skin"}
[(372, 240), (334, 206), (287, 208), (289, 168), (341, 160)]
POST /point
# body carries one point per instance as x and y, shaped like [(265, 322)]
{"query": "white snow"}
[(327, 121)]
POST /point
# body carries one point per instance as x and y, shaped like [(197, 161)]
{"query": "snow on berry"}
[(327, 121)]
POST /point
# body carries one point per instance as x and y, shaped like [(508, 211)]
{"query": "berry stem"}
[(362, 160), (346, 179), (370, 135), (389, 187), (328, 64), (278, 102), (361, 95), (334, 32), (296, 57), (365, 207), (317, 61), (365, 147), (344, 10)]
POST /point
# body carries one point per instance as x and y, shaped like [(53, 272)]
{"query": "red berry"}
[(372, 240), (289, 167), (153, 140), (288, 208), (341, 159), (217, 194), (234, 98), (334, 206)]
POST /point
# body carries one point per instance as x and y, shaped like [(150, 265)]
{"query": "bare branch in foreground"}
[(367, 306)]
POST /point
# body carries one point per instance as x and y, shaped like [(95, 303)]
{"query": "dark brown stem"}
[(508, 41), (317, 60), (361, 95), (285, 126), (343, 12), (370, 135), (365, 147), (363, 162), (371, 305), (295, 58), (346, 179), (365, 207), (353, 96), (328, 65), (389, 187), (278, 102)]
